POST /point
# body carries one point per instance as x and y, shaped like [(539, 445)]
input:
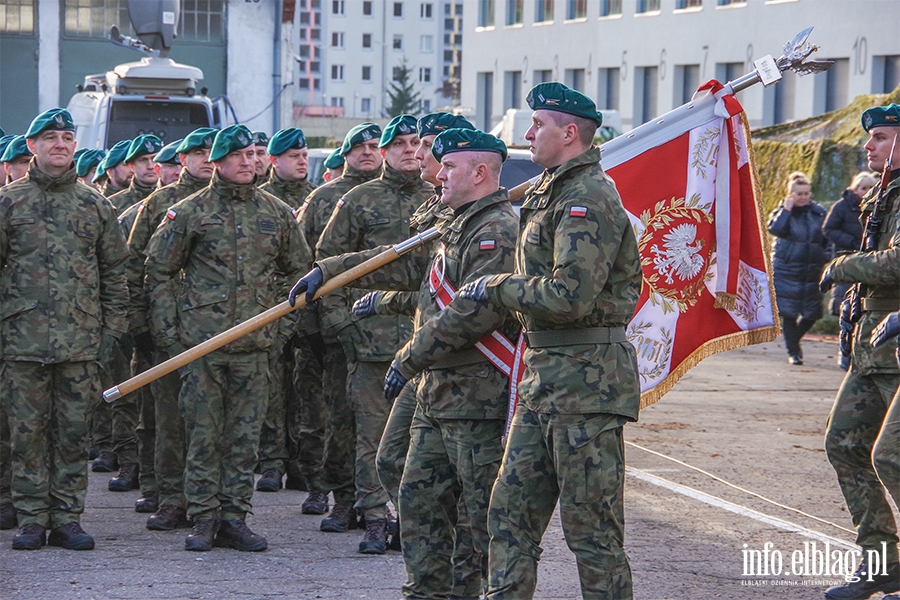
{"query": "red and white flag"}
[(688, 182)]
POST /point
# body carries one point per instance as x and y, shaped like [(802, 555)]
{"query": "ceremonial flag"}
[(688, 182)]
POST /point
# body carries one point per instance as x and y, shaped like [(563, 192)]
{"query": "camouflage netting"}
[(828, 148)]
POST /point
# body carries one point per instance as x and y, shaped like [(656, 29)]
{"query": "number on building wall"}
[(703, 70), (861, 55), (662, 64), (624, 68), (749, 65)]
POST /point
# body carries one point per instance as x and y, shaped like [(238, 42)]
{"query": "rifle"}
[(852, 312)]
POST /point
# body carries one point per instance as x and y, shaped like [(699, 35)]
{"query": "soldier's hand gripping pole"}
[(262, 319)]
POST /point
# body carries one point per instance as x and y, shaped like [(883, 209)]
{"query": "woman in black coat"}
[(798, 258)]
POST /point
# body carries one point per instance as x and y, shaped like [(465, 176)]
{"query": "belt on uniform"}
[(880, 304), (469, 356), (575, 337)]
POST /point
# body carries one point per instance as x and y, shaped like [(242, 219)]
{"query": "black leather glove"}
[(365, 306), (143, 342), (309, 283), (476, 290), (393, 382), (888, 329), (827, 279), (846, 339)]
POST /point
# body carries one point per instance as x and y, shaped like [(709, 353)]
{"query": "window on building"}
[(426, 10), (448, 24), (646, 83), (398, 9), (337, 7), (448, 55), (304, 18), (543, 11), (367, 73), (367, 8), (304, 83), (337, 39), (367, 40), (885, 73), (448, 7), (315, 34), (365, 105), (424, 75), (682, 4), (731, 2), (337, 72), (337, 101), (609, 8), (512, 89), (645, 6), (398, 42), (314, 66), (726, 72), (396, 72), (576, 9), (575, 79), (608, 88), (515, 12), (543, 76), (426, 43), (837, 80), (201, 21), (17, 17), (782, 98), (687, 80), (304, 50), (485, 13), (425, 106), (317, 84), (484, 98), (198, 21), (446, 71)]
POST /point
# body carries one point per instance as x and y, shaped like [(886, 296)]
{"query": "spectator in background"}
[(844, 232), (798, 258)]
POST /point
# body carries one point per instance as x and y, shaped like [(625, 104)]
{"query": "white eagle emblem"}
[(679, 257)]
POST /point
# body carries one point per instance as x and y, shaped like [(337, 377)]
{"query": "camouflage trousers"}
[(886, 453), (580, 461), (49, 405), (117, 370), (223, 400), (365, 390), (451, 463), (308, 412), (853, 425), (273, 432), (336, 472), (169, 449), (5, 472), (145, 427), (126, 413)]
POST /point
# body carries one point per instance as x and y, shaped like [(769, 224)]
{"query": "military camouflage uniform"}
[(133, 194), (328, 431), (886, 452), (280, 436), (110, 190), (63, 289), (370, 215), (577, 268), (229, 240), (866, 392), (169, 449)]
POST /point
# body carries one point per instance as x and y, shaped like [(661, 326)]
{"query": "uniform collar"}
[(188, 182), (397, 180), (458, 222), (282, 186), (43, 180), (356, 177), (232, 190)]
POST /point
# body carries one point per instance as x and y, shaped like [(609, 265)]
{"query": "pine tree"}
[(402, 96)]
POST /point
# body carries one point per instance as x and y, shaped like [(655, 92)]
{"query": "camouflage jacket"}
[(478, 242), (370, 215), (880, 272), (138, 222), (133, 194), (292, 193), (577, 266), (62, 282), (110, 190), (229, 240)]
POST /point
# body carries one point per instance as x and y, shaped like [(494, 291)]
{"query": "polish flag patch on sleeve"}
[(578, 211), (171, 214), (486, 245), (340, 203)]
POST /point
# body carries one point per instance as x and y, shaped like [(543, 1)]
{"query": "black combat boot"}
[(295, 481), (202, 535), (375, 539), (147, 503), (8, 519), (269, 482), (866, 585), (340, 518), (105, 463), (71, 537), (126, 480), (167, 518), (29, 537), (315, 504), (235, 534)]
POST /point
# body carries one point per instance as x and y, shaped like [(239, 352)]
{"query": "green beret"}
[(881, 116), (143, 144), (434, 123), (115, 155), (87, 161), (17, 147), (561, 98), (359, 134), (4, 142), (57, 119), (78, 153), (466, 140), (100, 173), (335, 160), (234, 137), (286, 139), (402, 125), (260, 138), (201, 137), (169, 154)]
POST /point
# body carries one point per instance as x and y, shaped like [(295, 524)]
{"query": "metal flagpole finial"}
[(796, 51)]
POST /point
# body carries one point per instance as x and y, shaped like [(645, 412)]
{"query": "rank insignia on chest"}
[(486, 245), (170, 214), (578, 211), (267, 226)]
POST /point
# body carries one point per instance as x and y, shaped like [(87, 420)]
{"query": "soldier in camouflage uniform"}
[(167, 164), (16, 158), (64, 303), (169, 449), (575, 286), (866, 392), (4, 142), (86, 165), (261, 155), (328, 432), (288, 182), (228, 241), (371, 215), (7, 511), (886, 451), (118, 174)]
